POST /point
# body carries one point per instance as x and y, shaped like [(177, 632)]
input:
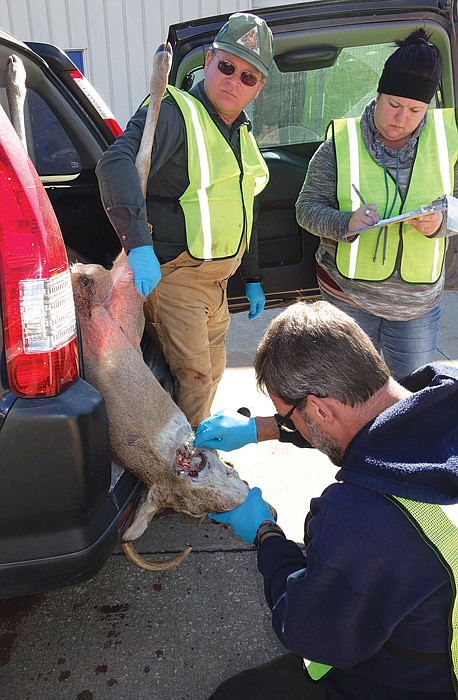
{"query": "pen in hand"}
[(363, 201), (361, 220)]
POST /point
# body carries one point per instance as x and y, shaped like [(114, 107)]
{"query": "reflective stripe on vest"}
[(218, 203), (438, 526), (374, 254), (316, 670)]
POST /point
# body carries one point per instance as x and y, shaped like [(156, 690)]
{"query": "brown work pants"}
[(189, 313)]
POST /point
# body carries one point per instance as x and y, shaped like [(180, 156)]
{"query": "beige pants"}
[(189, 313)]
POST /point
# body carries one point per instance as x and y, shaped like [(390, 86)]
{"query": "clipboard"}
[(436, 205)]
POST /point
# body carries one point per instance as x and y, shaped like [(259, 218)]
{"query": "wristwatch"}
[(266, 527)]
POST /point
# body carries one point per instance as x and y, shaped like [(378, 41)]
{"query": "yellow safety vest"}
[(374, 254), (438, 527), (218, 203)]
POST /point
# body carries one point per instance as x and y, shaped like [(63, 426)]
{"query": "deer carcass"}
[(150, 435)]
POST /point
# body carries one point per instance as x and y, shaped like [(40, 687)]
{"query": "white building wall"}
[(118, 37), (259, 4)]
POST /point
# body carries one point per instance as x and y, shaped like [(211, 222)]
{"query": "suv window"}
[(298, 106), (50, 149)]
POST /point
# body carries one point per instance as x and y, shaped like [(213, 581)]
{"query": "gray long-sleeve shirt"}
[(317, 212), (168, 179)]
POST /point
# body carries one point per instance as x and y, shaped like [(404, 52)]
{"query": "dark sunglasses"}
[(228, 68), (281, 422)]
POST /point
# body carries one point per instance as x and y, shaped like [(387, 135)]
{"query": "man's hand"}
[(255, 296), (226, 431), (145, 268), (246, 519)]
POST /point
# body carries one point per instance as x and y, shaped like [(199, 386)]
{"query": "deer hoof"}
[(150, 565)]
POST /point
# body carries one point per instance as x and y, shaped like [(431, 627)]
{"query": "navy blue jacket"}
[(367, 595)]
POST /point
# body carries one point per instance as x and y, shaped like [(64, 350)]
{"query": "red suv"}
[(62, 499)]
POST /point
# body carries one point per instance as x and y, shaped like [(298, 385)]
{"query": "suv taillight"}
[(39, 326), (96, 101)]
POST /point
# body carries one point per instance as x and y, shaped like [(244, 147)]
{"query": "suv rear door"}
[(66, 136), (329, 55), (63, 501)]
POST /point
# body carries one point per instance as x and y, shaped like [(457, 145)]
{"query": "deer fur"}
[(15, 93), (149, 434)]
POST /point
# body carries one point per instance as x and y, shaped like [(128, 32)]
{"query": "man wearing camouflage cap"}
[(206, 171)]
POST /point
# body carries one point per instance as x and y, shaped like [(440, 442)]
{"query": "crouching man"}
[(368, 610)]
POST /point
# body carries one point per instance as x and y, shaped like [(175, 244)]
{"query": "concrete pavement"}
[(129, 634)]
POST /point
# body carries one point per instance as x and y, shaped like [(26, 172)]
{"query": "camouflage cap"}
[(248, 37)]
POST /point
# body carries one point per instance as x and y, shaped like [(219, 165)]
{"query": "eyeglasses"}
[(281, 422), (228, 68)]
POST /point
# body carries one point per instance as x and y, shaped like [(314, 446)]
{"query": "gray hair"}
[(314, 348)]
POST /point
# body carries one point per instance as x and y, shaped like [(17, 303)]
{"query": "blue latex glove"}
[(246, 519), (255, 295), (145, 268), (226, 431)]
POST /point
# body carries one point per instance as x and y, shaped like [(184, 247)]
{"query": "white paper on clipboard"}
[(452, 213), (443, 203)]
